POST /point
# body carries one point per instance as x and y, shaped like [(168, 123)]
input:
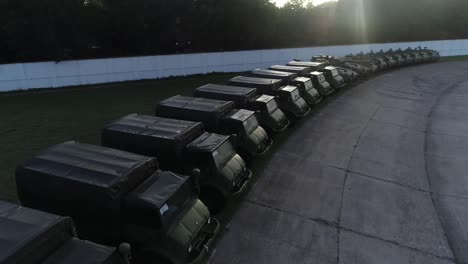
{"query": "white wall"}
[(82, 72)]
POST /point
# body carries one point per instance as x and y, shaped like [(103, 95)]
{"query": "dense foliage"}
[(33, 30)]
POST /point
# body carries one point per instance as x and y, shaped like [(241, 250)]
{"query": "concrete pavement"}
[(379, 174)]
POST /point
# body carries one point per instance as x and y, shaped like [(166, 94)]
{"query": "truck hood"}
[(190, 224), (258, 136), (232, 169)]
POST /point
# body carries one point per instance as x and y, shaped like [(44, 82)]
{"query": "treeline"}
[(36, 30)]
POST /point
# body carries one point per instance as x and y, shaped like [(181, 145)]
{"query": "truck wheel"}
[(212, 198), (150, 257)]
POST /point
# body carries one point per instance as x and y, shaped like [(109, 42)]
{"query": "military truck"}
[(29, 237), (219, 117), (415, 55), (320, 84), (319, 81), (435, 56), (331, 76), (391, 62), (334, 76), (116, 196), (184, 147), (269, 116), (349, 70), (288, 97), (397, 57), (364, 61), (305, 86), (424, 54), (407, 56)]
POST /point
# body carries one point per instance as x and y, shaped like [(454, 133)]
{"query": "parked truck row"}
[(150, 193)]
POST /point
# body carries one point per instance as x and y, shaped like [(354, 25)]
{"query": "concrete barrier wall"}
[(82, 72)]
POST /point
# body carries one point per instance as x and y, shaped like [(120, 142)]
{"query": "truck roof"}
[(289, 88), (208, 111), (241, 114), (30, 236), (208, 142), (263, 85), (239, 95), (78, 180), (265, 98), (80, 164), (302, 79), (150, 135), (316, 73), (295, 69), (330, 68), (311, 64), (165, 185), (226, 89), (285, 76)]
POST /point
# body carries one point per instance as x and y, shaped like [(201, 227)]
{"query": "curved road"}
[(379, 174)]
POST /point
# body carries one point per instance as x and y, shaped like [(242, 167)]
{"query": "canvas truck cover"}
[(208, 142), (239, 95), (208, 111), (83, 181), (263, 85), (301, 71), (312, 64), (152, 136), (286, 77), (29, 236)]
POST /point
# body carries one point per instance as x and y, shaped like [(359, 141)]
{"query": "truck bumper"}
[(210, 231)]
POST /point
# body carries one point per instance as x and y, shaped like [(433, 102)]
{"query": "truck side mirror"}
[(124, 251)]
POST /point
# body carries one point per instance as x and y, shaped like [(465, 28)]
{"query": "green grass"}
[(33, 120), (454, 58)]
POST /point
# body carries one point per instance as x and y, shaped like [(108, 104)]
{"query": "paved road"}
[(377, 175)]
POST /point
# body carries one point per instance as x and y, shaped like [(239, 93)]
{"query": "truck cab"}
[(291, 99), (425, 55), (246, 98), (334, 76), (29, 237), (267, 108), (292, 108), (116, 196), (415, 55), (218, 117), (184, 147), (319, 81), (305, 86)]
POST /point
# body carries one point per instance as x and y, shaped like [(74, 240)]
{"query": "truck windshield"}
[(308, 85), (250, 124), (295, 95), (223, 153), (272, 106), (321, 78), (334, 72), (175, 205)]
